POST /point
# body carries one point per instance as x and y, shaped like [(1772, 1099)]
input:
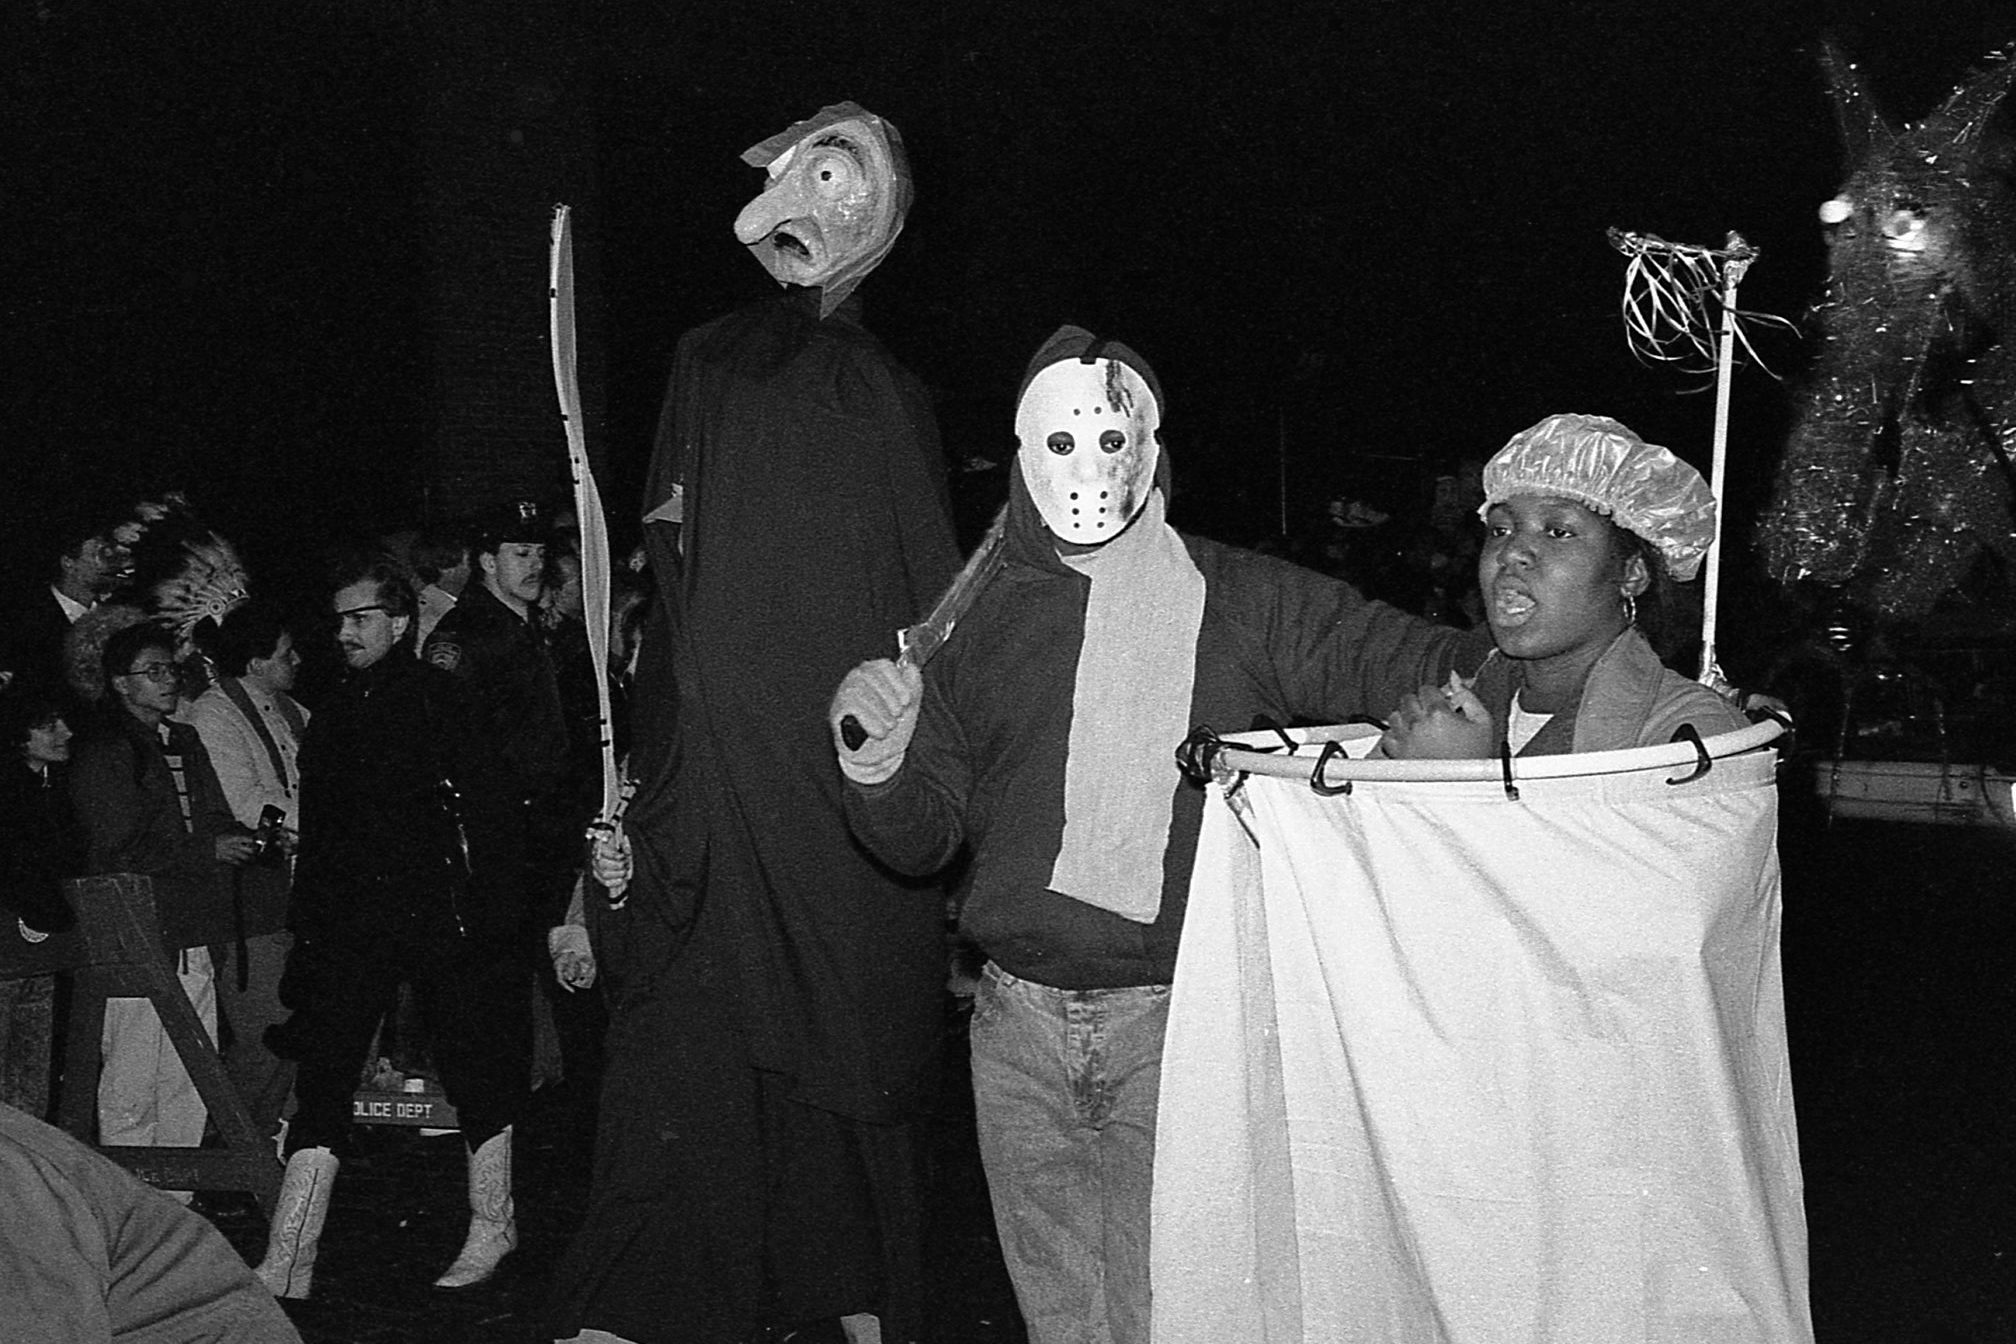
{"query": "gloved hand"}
[(573, 957), (884, 697), (609, 858)]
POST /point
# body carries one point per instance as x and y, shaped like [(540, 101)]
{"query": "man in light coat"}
[(252, 727)]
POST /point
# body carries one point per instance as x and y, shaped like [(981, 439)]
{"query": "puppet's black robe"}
[(777, 999)]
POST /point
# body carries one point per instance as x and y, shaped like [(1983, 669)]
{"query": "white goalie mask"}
[(1088, 444)]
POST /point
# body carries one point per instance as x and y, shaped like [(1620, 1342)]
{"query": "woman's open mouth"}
[(1510, 606)]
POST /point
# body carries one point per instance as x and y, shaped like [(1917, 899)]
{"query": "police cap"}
[(521, 520)]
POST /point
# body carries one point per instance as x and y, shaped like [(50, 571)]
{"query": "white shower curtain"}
[(1447, 1067)]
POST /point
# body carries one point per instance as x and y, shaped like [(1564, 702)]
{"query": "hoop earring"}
[(1630, 610)]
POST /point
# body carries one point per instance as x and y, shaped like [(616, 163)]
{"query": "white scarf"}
[(1130, 707)]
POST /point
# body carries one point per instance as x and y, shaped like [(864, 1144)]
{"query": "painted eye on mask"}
[(1112, 441), (834, 174), (1061, 443)]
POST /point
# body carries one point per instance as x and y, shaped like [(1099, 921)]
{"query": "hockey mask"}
[(838, 190), (1089, 439)]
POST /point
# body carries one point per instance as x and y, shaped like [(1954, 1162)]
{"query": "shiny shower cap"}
[(1597, 462)]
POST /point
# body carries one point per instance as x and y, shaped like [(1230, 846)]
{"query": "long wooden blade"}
[(595, 575)]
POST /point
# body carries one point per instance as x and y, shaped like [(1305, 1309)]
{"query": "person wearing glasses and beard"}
[(408, 869), (148, 801)]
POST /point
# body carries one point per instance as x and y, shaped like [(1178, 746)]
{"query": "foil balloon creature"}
[(1897, 471)]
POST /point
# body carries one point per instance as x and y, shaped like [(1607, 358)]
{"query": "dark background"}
[(1356, 239)]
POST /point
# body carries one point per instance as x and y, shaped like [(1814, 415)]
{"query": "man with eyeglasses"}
[(149, 802), (408, 870)]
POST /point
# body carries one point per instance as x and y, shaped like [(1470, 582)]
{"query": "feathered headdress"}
[(210, 584)]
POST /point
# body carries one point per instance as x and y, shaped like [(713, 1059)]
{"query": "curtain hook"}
[(1331, 750), (1703, 762), (1197, 754)]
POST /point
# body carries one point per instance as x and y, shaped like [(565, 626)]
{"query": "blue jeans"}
[(1065, 1084)]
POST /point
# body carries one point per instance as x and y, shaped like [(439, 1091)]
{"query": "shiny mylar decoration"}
[(1897, 471)]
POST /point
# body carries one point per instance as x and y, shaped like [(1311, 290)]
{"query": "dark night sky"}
[(1364, 230)]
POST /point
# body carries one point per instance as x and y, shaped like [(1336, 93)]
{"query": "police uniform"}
[(505, 668)]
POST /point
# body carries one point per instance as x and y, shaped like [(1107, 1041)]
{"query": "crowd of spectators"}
[(148, 696)]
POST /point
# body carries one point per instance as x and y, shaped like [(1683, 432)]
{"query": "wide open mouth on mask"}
[(790, 244)]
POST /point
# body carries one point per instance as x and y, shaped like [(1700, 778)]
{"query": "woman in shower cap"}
[(1584, 524)]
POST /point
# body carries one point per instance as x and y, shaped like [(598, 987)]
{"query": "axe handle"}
[(966, 586)]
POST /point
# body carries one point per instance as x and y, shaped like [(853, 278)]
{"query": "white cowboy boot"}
[(493, 1232), (289, 1266)]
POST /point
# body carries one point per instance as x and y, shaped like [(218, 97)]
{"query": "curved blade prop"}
[(587, 500)]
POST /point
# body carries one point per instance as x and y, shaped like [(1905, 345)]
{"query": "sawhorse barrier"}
[(116, 952)]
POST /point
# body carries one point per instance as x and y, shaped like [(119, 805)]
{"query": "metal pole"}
[(1732, 275)]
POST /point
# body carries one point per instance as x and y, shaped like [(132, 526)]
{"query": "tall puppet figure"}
[(775, 995)]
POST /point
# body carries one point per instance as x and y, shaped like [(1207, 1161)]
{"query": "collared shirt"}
[(178, 771), (1524, 726), (72, 608)]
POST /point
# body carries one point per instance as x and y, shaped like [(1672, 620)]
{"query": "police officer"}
[(494, 644), (409, 869), (490, 642)]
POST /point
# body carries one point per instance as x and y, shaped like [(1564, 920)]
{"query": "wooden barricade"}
[(116, 952)]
